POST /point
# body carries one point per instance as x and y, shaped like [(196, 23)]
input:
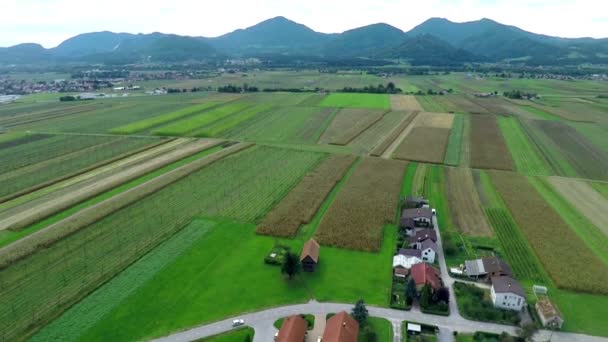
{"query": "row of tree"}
[(390, 88), (237, 89)]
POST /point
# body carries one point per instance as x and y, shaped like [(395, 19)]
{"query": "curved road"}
[(262, 321)]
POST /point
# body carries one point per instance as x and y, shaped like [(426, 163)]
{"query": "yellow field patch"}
[(405, 102), (435, 120)]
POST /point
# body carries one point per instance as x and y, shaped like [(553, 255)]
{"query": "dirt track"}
[(46, 209), (585, 199)]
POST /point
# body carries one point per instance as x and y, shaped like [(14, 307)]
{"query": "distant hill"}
[(367, 41), (499, 42), (436, 41), (276, 35)]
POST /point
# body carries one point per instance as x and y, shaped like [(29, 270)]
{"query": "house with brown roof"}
[(310, 255), (548, 314), (341, 328), (293, 329), (424, 273), (412, 218), (491, 267), (507, 293), (422, 235)]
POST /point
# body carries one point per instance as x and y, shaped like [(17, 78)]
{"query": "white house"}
[(428, 250), (507, 293), (403, 263)]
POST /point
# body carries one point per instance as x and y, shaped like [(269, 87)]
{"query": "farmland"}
[(129, 218), (365, 204)]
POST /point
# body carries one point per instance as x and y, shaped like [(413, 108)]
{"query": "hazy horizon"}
[(49, 22)]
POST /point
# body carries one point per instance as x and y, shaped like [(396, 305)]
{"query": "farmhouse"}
[(491, 267), (293, 329), (416, 218), (415, 202), (428, 250), (341, 328), (424, 273), (548, 314), (310, 255), (507, 293)]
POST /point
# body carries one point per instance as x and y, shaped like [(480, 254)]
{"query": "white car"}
[(238, 322)]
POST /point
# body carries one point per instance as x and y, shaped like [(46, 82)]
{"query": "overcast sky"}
[(49, 22)]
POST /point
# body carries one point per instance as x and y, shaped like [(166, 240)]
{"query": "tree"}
[(410, 291), (425, 296), (291, 265), (527, 331), (360, 312), (443, 295)]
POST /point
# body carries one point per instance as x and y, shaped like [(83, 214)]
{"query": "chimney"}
[(343, 324)]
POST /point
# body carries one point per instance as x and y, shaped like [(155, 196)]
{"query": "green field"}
[(190, 125), (453, 152), (379, 101), (528, 159)]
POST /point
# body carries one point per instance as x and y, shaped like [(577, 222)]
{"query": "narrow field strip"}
[(301, 203), (372, 136), (558, 247), (348, 124), (528, 159), (488, 147), (452, 154), (145, 124), (189, 125), (467, 214), (78, 319), (398, 133), (356, 100), (221, 126), (35, 214), (364, 205)]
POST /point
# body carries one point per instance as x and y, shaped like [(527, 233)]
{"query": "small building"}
[(414, 329), (548, 314), (424, 273), (507, 293), (428, 250), (310, 255), (341, 328), (293, 329), (416, 218), (491, 267), (415, 202)]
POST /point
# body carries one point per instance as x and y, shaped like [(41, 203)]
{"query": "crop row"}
[(488, 147), (301, 204), (569, 262), (427, 144), (526, 156), (189, 125), (145, 124), (243, 186), (221, 126), (349, 123), (374, 135), (364, 205), (390, 138)]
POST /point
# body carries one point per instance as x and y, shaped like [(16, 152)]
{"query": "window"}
[(519, 301)]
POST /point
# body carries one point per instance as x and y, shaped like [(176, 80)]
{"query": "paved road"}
[(264, 331)]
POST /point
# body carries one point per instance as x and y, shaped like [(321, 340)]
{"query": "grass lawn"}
[(381, 101), (236, 335), (583, 313), (380, 326), (223, 274)]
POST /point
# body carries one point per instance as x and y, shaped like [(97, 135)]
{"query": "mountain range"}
[(436, 41)]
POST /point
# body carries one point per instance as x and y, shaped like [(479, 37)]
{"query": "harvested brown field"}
[(365, 204), (405, 102), (389, 139), (436, 120), (302, 203), (426, 144), (488, 147), (465, 206), (569, 262), (585, 199), (589, 160), (461, 104), (494, 105), (55, 232), (348, 124)]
